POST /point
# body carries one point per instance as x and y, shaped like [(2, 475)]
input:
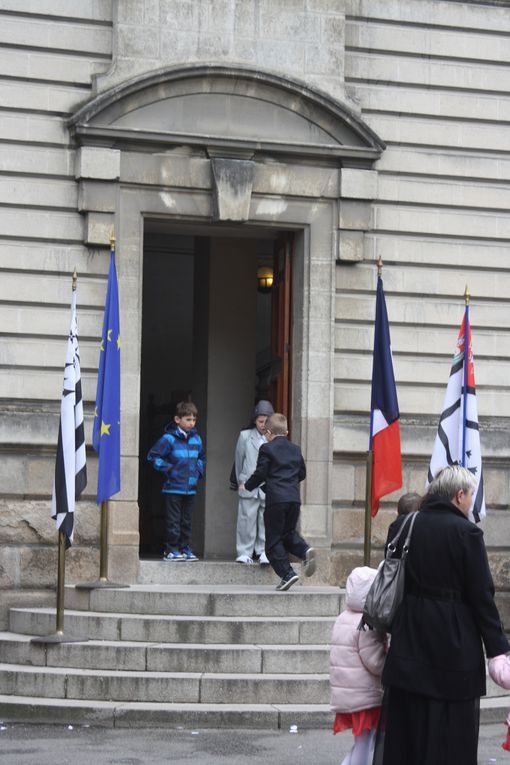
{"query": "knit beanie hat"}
[(263, 408)]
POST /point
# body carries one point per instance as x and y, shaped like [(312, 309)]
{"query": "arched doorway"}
[(227, 155)]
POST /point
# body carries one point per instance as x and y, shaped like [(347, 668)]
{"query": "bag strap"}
[(408, 538), (392, 546)]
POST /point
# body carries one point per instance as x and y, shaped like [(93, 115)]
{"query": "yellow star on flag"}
[(105, 428), (118, 342), (101, 346), (109, 335)]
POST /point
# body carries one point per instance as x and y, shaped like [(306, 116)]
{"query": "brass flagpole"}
[(103, 582), (59, 636)]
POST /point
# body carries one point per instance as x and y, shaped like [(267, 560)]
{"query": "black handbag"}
[(387, 590)]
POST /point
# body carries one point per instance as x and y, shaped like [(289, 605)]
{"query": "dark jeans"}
[(177, 521), (282, 538)]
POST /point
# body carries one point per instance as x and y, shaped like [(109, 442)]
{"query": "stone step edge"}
[(186, 716), (45, 611), (25, 640), (189, 716), (267, 677)]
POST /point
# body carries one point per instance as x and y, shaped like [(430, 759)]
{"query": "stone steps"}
[(213, 572), (173, 654), (164, 657), (176, 687), (209, 600), (23, 709), (176, 629), (178, 655)]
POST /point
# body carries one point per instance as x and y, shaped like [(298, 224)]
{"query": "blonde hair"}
[(277, 424), (450, 480)]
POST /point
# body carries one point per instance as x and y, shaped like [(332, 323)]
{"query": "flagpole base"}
[(100, 584), (58, 637)]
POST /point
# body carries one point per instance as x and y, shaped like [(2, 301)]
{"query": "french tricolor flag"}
[(384, 417)]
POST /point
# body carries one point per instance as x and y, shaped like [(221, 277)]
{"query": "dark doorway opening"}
[(211, 334)]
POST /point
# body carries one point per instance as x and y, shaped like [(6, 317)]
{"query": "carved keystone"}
[(232, 186)]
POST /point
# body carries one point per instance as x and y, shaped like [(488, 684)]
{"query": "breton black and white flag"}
[(70, 465), (458, 433)]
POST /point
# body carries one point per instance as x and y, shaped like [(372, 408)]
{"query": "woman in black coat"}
[(435, 669)]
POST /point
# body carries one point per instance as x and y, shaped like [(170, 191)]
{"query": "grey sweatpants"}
[(251, 535)]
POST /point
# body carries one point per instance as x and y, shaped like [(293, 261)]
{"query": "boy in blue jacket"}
[(179, 454)]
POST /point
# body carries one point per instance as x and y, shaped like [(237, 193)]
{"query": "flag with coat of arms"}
[(458, 434), (106, 432)]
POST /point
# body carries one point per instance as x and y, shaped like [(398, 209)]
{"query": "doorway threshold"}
[(204, 572)]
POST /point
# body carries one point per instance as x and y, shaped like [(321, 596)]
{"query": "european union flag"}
[(106, 433)]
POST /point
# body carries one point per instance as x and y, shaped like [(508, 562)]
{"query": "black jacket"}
[(280, 465), (447, 611)]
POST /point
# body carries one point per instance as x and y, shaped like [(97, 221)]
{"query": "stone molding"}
[(95, 121)]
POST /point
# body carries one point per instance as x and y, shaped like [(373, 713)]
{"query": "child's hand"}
[(499, 670), (241, 487)]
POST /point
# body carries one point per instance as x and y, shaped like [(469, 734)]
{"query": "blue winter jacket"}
[(181, 459)]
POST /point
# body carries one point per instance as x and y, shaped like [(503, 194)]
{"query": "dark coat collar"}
[(434, 503)]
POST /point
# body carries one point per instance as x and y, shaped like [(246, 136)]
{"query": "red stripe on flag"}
[(387, 464)]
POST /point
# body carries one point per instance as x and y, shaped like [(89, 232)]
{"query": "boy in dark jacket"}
[(179, 454), (281, 467)]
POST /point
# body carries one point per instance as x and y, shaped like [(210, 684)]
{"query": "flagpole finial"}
[(467, 295), (379, 267), (112, 241), (75, 280)]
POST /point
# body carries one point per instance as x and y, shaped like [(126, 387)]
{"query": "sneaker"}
[(174, 555), (244, 559), (287, 581), (263, 559), (309, 563), (188, 554)]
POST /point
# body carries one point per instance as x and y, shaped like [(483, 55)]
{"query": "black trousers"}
[(177, 521), (282, 538)]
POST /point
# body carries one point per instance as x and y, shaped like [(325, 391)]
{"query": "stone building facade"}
[(215, 136)]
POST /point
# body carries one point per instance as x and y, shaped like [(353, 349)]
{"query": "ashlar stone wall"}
[(433, 80), (49, 53), (430, 77)]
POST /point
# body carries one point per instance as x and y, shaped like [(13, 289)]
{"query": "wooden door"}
[(281, 312)]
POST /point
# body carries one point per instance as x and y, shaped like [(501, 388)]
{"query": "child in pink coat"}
[(499, 670), (356, 664)]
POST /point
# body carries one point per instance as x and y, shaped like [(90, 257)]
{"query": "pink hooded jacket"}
[(356, 657), (499, 670)]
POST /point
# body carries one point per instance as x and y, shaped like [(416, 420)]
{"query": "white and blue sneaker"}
[(309, 562), (188, 554), (174, 555), (287, 581)]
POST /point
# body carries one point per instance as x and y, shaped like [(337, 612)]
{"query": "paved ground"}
[(59, 745)]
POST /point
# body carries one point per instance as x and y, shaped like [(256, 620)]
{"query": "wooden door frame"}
[(281, 324)]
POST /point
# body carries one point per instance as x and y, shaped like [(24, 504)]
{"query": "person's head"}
[(276, 425), (456, 484), (262, 411), (408, 503), (357, 586), (185, 415)]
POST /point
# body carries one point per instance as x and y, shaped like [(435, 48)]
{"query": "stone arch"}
[(218, 107)]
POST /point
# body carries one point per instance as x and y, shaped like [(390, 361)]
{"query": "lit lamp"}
[(264, 279)]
